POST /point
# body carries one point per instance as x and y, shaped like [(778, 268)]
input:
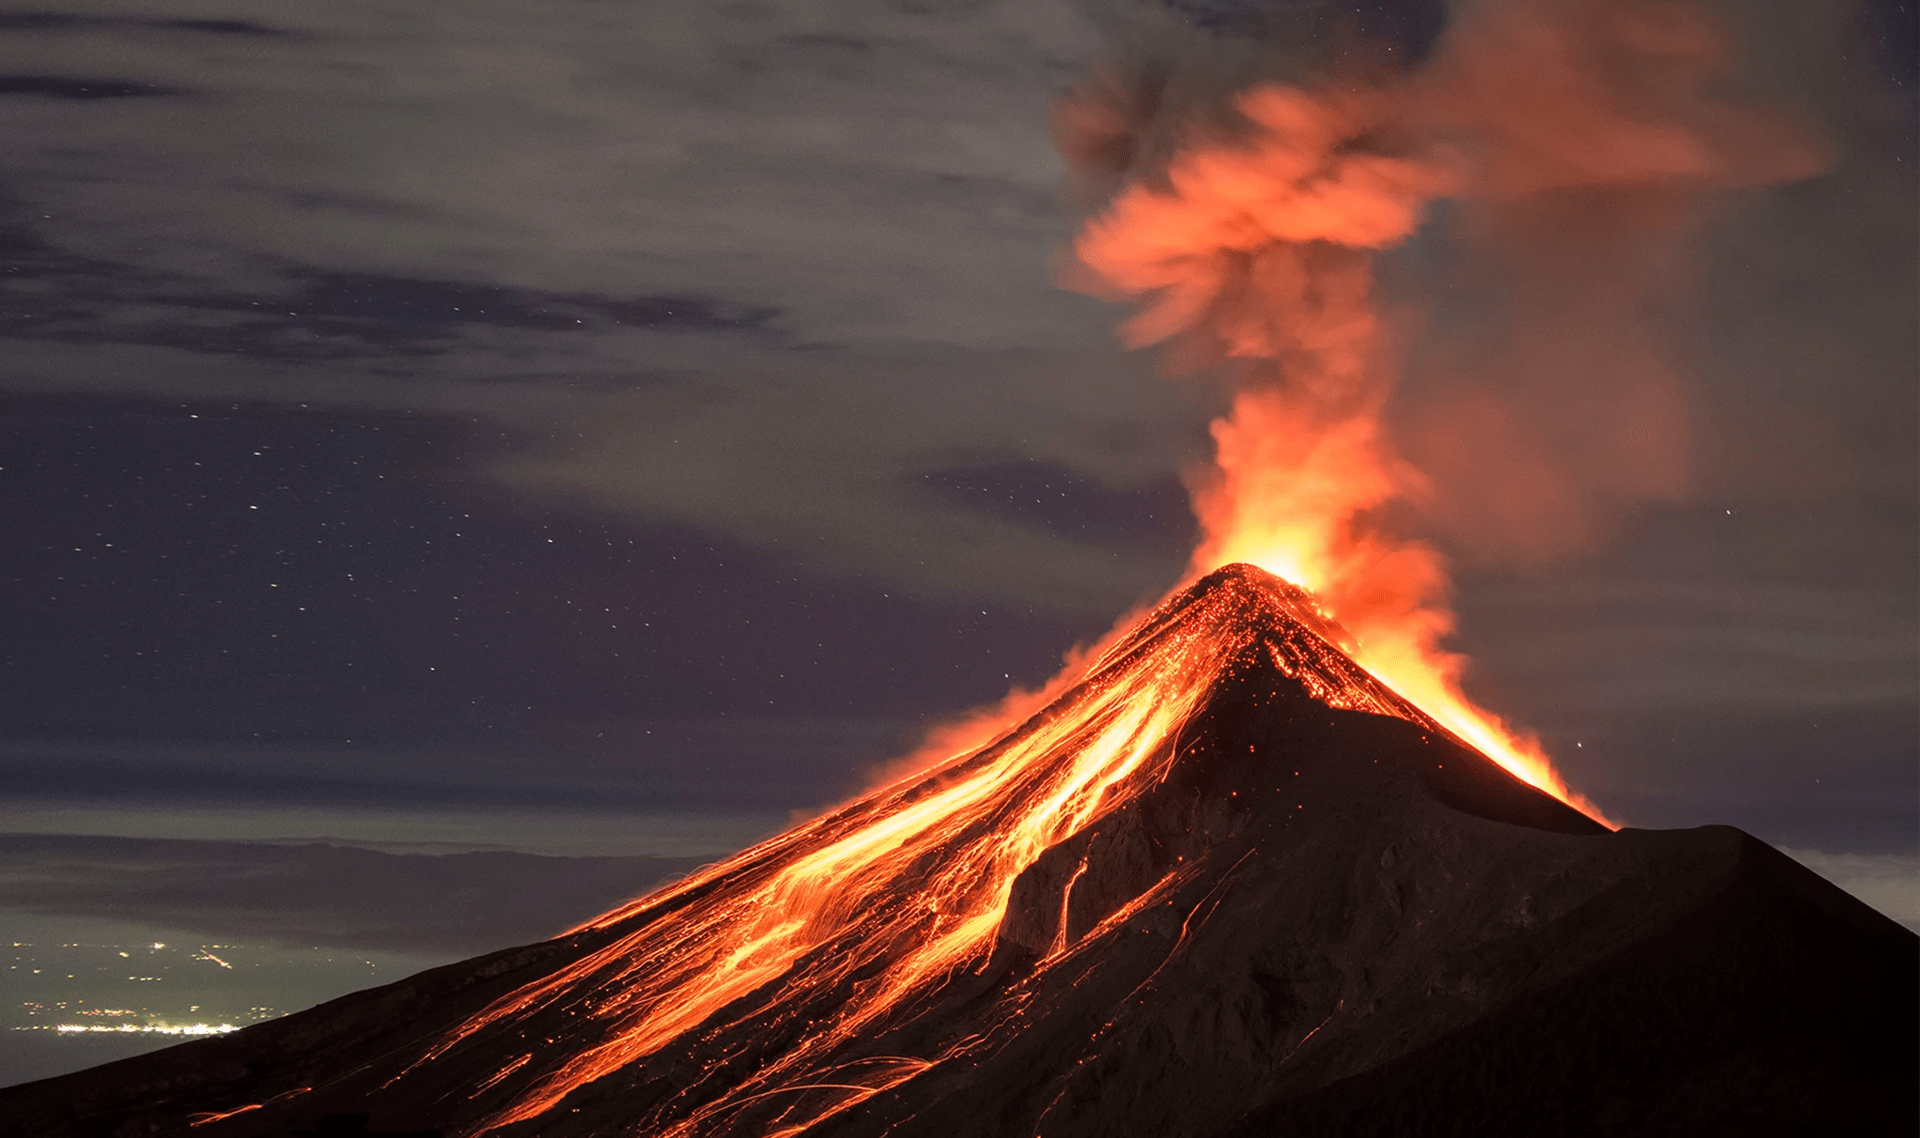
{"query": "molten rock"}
[(1228, 885)]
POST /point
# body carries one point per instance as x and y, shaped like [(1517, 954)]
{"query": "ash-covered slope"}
[(1227, 886)]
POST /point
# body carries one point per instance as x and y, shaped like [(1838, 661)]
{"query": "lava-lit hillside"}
[(1226, 885)]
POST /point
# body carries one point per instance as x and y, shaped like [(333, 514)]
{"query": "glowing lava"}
[(900, 892), (1294, 495)]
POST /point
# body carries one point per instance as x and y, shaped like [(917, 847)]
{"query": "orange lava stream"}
[(886, 898), (1292, 494), (900, 891)]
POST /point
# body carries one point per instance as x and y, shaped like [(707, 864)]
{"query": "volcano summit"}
[(1226, 885)]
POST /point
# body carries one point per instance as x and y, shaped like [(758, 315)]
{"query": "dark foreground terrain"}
[(1305, 921)]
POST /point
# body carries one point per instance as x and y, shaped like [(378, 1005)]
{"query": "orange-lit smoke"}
[(1553, 402), (1576, 129)]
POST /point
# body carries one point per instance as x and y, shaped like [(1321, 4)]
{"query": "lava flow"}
[(903, 891), (1292, 496), (1227, 884)]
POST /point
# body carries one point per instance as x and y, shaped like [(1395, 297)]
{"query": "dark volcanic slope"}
[(1295, 919)]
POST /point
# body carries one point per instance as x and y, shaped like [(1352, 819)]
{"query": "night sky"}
[(609, 428)]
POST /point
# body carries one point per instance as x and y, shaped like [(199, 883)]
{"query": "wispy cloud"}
[(319, 894), (1888, 882), (757, 272), (870, 173)]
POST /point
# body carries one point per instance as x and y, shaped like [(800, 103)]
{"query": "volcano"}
[(1226, 885)]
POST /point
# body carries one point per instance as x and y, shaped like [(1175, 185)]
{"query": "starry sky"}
[(605, 429)]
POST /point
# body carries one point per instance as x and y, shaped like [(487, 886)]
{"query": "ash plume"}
[(1476, 265), (1252, 195)]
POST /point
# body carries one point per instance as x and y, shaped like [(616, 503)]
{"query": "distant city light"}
[(140, 1028)]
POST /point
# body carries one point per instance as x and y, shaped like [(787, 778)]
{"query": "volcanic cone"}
[(1229, 884)]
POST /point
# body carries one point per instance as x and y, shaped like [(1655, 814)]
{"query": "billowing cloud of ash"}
[(1457, 286)]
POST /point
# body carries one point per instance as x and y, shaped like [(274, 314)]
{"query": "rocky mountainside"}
[(1227, 886)]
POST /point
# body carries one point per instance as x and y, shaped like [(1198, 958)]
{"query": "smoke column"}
[(1577, 143)]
